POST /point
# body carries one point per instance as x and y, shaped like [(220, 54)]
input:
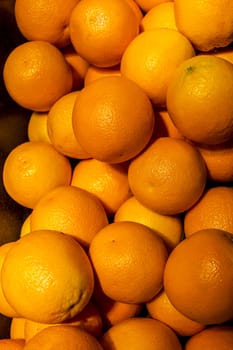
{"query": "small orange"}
[(5, 308), (17, 328), (79, 66), (36, 74), (108, 182), (207, 24), (140, 333), (12, 344), (60, 129), (94, 73), (32, 169), (147, 5), (213, 210), (160, 308), (128, 251), (151, 59), (37, 127), (212, 338), (159, 16), (169, 227), (101, 30), (112, 311), (113, 119), (168, 177), (31, 274), (45, 20), (26, 226), (71, 210), (88, 319), (63, 337), (198, 276), (219, 161), (200, 101)]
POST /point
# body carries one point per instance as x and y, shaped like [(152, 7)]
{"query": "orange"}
[(168, 177), (32, 169), (12, 344), (37, 127), (63, 337), (113, 119), (226, 53), (200, 101), (88, 319), (17, 328), (71, 210), (151, 59), (101, 30), (36, 74), (147, 5), (108, 182), (140, 333), (45, 20), (213, 210), (165, 126), (79, 66), (112, 311), (169, 227), (26, 226), (198, 276), (128, 251), (93, 73), (159, 16), (219, 161), (160, 308), (60, 129), (212, 338), (32, 274), (136, 8), (207, 24), (5, 308)]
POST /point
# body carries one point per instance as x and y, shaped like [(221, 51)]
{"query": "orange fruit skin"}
[(169, 227), (43, 20), (109, 182), (37, 127), (106, 125), (213, 210), (100, 31), (36, 75), (63, 337), (165, 126), (201, 288), (60, 128), (219, 161), (94, 73), (32, 169), (17, 328), (88, 319), (207, 24), (212, 338), (159, 16), (64, 279), (148, 61), (12, 344), (67, 209), (124, 251), (200, 102), (160, 308), (168, 177), (147, 5), (140, 333)]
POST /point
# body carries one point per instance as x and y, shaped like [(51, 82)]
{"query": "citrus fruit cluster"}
[(126, 174)]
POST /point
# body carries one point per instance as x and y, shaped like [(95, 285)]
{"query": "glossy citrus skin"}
[(36, 75), (64, 278), (201, 288), (141, 260)]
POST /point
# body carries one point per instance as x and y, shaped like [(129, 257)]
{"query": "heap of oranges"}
[(127, 176)]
